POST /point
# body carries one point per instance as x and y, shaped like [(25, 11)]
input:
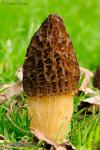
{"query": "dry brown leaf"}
[(19, 74), (64, 146), (89, 104), (90, 92), (93, 100), (11, 90), (88, 75), (42, 137)]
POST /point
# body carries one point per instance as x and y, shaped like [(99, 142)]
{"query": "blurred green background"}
[(20, 19)]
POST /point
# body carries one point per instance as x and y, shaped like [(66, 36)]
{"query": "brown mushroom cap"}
[(50, 66), (96, 80)]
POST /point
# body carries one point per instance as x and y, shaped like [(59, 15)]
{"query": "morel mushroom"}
[(96, 79), (50, 77)]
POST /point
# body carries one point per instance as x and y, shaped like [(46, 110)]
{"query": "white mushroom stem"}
[(51, 115)]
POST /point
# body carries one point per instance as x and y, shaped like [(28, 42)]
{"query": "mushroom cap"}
[(50, 66), (96, 80)]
